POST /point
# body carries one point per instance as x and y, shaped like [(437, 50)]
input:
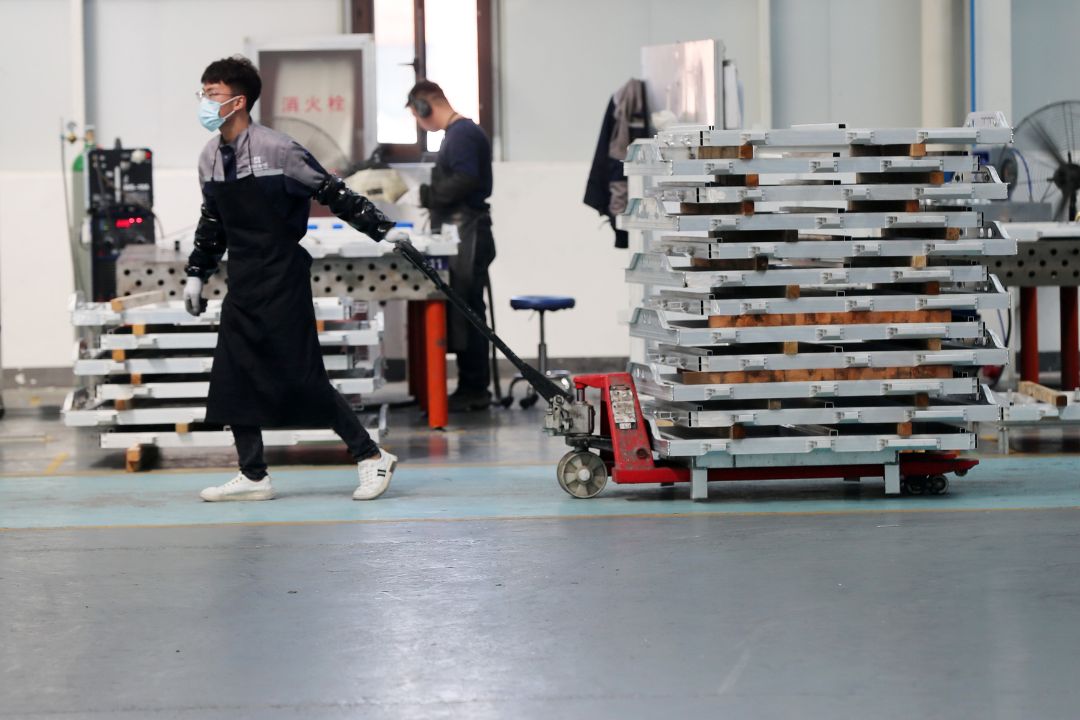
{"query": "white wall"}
[(1045, 58), (853, 61), (561, 60), (1045, 54)]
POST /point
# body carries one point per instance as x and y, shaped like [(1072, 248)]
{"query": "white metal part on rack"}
[(655, 325), (836, 446), (195, 365), (841, 358), (187, 390), (118, 440), (687, 304), (655, 269), (700, 416), (95, 314), (818, 136), (652, 161), (826, 250), (363, 337), (699, 192), (653, 382), (649, 214)]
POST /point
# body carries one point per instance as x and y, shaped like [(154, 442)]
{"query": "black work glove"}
[(353, 208)]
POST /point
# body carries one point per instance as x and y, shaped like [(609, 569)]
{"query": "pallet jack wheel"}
[(528, 401), (582, 474), (914, 485), (938, 485)]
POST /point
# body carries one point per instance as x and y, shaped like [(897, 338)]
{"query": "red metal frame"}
[(1029, 334), (631, 462)]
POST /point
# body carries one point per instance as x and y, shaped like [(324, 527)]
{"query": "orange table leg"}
[(435, 363)]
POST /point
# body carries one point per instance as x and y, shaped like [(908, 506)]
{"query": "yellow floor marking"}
[(56, 463)]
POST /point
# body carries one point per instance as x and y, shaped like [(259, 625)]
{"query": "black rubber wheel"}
[(913, 485), (938, 485), (528, 401)]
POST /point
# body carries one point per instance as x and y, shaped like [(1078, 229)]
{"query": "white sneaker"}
[(375, 474), (240, 488)]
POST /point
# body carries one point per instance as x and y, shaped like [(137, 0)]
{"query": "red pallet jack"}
[(622, 449)]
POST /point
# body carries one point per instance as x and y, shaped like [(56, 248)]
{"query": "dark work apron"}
[(468, 269), (268, 368)]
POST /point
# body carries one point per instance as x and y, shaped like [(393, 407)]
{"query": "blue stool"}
[(540, 304)]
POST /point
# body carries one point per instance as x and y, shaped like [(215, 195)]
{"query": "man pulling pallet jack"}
[(268, 370)]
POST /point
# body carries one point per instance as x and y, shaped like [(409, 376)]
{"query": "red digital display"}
[(125, 223)]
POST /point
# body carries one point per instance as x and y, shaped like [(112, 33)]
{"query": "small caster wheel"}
[(528, 401), (913, 486), (582, 474), (507, 401), (938, 485)]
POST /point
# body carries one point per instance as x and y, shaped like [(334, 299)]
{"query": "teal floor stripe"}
[(451, 493)]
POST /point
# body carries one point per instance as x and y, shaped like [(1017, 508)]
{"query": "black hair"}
[(239, 74), (425, 90)]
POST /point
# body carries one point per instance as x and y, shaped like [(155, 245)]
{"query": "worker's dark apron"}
[(468, 269), (268, 368)]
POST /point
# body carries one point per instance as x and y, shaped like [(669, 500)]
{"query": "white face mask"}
[(210, 113)]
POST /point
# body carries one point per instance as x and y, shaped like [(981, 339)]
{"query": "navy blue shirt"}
[(466, 149)]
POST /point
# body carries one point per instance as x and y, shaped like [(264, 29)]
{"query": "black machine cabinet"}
[(120, 202)]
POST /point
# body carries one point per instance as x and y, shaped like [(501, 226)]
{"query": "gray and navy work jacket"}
[(286, 173)]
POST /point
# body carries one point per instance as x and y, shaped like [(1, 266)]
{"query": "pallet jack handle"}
[(544, 386)]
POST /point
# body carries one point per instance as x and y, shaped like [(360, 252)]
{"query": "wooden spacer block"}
[(138, 330), (122, 404), (133, 458), (775, 405), (728, 152), (121, 304), (119, 355), (933, 344), (922, 400), (793, 292), (738, 432), (918, 262), (136, 379), (320, 326), (791, 347), (183, 428), (752, 180), (903, 429), (1043, 393)]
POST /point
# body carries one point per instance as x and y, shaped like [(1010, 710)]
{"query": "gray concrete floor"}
[(891, 615)]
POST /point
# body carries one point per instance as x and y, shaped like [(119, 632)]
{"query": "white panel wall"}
[(562, 60), (145, 60), (853, 61), (1044, 70), (34, 82)]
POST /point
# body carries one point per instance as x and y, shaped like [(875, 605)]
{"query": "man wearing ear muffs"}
[(268, 370), (458, 193)]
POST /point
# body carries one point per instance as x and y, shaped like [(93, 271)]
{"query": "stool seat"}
[(541, 302)]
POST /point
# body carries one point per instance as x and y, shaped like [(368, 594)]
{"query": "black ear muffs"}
[(421, 106)]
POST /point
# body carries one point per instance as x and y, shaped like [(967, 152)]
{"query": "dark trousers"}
[(249, 444), (474, 362)]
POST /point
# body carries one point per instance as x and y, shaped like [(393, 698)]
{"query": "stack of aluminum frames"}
[(144, 371), (804, 304)]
